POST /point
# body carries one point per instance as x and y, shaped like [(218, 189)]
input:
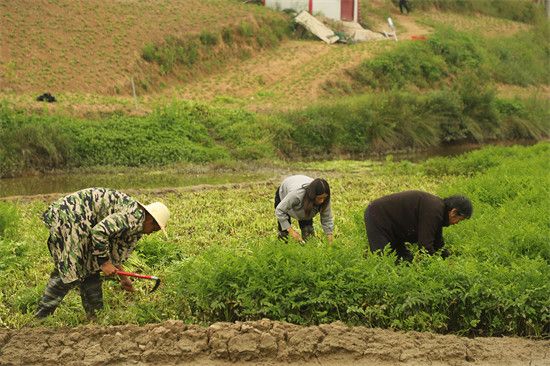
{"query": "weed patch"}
[(181, 55)]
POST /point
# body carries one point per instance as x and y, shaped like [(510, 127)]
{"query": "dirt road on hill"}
[(261, 342)]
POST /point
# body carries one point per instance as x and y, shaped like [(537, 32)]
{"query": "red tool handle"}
[(130, 274)]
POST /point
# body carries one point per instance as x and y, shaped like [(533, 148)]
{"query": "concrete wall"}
[(297, 5), (329, 8)]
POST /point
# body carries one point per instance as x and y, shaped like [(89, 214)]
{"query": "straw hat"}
[(160, 213)]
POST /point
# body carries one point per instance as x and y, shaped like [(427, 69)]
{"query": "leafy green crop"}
[(223, 262)]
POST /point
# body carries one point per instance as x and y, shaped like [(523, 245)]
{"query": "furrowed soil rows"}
[(263, 342)]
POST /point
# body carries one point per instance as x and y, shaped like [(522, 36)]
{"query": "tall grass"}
[(467, 112), (176, 132), (522, 59), (519, 10), (31, 142), (195, 132)]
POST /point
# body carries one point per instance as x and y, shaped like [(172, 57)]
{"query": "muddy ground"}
[(263, 342)]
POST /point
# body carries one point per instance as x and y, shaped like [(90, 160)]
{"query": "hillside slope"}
[(85, 52), (93, 46)]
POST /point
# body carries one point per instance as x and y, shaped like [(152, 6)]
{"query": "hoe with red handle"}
[(137, 275)]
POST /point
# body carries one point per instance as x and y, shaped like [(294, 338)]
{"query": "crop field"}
[(223, 262), (207, 106)]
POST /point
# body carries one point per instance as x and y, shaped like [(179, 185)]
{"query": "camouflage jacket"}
[(92, 224)]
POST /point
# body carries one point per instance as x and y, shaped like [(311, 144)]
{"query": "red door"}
[(346, 10)]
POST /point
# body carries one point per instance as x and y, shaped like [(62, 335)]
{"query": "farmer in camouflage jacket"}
[(94, 230)]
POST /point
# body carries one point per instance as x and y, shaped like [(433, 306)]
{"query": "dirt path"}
[(261, 342)]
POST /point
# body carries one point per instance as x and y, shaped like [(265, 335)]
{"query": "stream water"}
[(130, 178), (43, 184)]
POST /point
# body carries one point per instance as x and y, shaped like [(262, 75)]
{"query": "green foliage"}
[(459, 50), (222, 264), (523, 58), (480, 161), (400, 120), (148, 53), (423, 64), (449, 55), (496, 282), (179, 55), (408, 63), (31, 142), (8, 219), (245, 29), (194, 132), (227, 36), (208, 39), (177, 132), (518, 10), (173, 52)]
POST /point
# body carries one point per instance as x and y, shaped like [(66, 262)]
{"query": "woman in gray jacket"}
[(302, 197)]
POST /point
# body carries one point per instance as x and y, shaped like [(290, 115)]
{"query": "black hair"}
[(317, 187), (462, 204)]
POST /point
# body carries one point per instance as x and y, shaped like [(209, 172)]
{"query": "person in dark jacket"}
[(413, 217)]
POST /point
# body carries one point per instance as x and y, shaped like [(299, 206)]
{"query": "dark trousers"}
[(379, 238), (404, 5), (306, 226), (91, 294)]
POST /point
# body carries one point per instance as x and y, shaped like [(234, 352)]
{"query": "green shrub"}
[(524, 119), (245, 29), (227, 36), (193, 132), (408, 63), (148, 53), (459, 50), (450, 55), (521, 59), (208, 39), (468, 112)]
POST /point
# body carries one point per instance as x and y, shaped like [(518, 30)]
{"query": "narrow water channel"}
[(60, 183), (141, 179)]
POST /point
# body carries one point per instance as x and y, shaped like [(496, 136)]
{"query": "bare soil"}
[(263, 342)]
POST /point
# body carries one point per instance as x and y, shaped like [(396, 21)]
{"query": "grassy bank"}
[(97, 46), (226, 264), (518, 10), (178, 132), (183, 132), (449, 55)]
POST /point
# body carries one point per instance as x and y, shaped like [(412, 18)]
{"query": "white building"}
[(344, 10)]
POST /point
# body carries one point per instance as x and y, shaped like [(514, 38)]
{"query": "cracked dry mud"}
[(262, 342)]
